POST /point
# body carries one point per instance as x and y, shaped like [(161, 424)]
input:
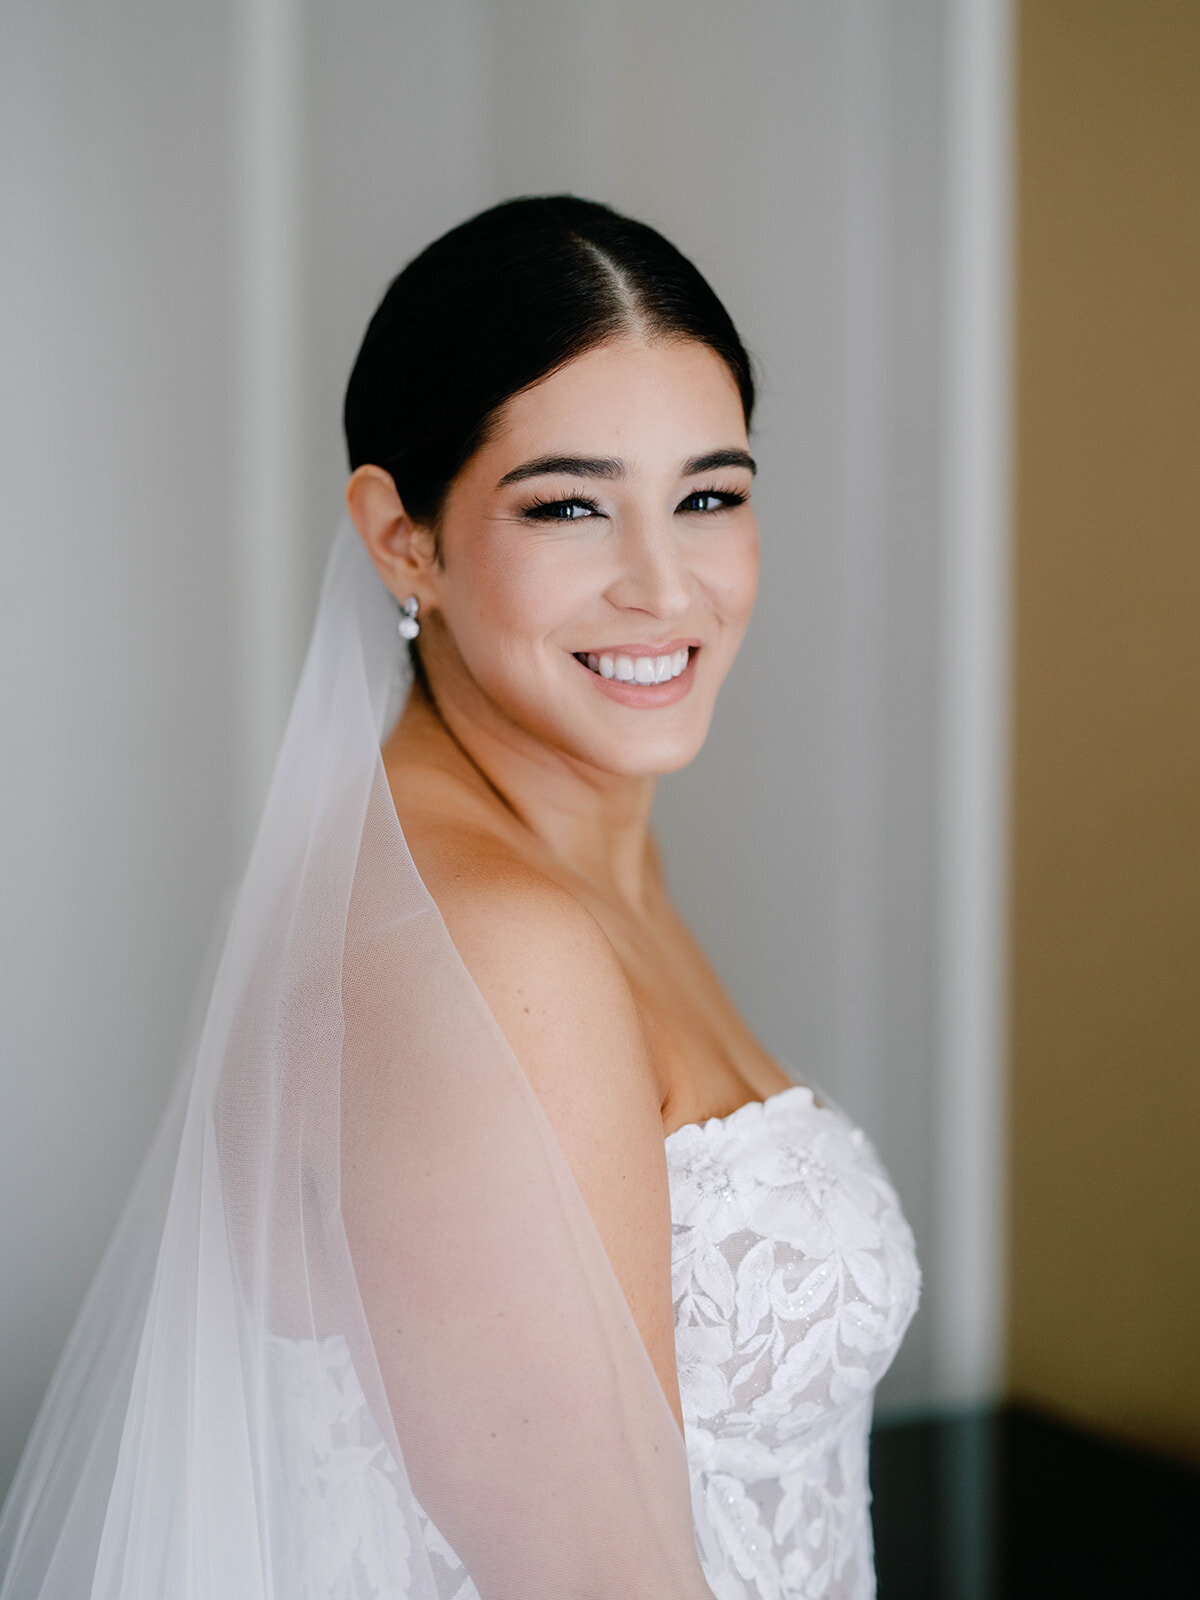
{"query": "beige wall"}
[(1105, 1260)]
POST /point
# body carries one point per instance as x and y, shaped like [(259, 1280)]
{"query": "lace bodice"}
[(794, 1278)]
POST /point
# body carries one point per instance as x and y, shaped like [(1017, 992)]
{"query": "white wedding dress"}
[(795, 1277)]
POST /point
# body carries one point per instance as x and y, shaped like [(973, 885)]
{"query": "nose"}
[(654, 575)]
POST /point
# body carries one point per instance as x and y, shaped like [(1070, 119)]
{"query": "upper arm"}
[(562, 1000)]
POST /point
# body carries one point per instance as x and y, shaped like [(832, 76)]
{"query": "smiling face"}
[(599, 559)]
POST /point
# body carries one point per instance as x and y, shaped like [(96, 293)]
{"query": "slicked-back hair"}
[(497, 304)]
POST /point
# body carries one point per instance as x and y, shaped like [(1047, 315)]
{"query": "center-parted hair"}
[(497, 304)]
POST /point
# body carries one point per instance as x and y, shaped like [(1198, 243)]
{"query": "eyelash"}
[(539, 510)]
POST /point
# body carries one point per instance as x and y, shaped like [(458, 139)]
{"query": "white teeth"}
[(638, 669)]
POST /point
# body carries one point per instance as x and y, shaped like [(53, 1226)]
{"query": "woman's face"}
[(600, 559)]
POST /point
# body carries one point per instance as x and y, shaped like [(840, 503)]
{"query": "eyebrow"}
[(610, 467)]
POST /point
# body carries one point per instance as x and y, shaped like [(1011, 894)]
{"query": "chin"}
[(644, 757)]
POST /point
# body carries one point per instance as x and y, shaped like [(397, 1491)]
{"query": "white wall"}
[(116, 784), (212, 214), (835, 168)]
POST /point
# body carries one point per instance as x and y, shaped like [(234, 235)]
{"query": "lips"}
[(643, 667), (634, 680)]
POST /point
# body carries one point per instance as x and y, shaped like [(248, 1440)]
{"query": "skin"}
[(524, 786)]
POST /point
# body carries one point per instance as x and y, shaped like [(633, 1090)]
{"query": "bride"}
[(483, 1249)]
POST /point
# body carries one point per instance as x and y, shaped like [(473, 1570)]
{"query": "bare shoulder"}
[(561, 997), (548, 972)]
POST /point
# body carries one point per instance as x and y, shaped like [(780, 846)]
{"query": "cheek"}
[(733, 574), (519, 592)]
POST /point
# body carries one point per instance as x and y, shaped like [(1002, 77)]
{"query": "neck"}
[(595, 824)]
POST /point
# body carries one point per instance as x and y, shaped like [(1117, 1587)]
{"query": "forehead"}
[(642, 402)]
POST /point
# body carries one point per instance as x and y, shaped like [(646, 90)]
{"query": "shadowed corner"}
[(1014, 1504)]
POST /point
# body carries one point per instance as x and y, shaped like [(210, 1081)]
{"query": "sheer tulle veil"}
[(354, 1209)]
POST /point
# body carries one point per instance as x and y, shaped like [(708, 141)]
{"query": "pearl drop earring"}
[(408, 625)]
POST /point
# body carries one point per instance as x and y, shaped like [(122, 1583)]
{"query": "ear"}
[(402, 550)]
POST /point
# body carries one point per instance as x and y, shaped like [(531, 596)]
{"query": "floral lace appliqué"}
[(795, 1276)]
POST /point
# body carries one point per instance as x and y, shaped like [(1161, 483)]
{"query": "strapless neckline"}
[(748, 1108), (794, 1276)]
